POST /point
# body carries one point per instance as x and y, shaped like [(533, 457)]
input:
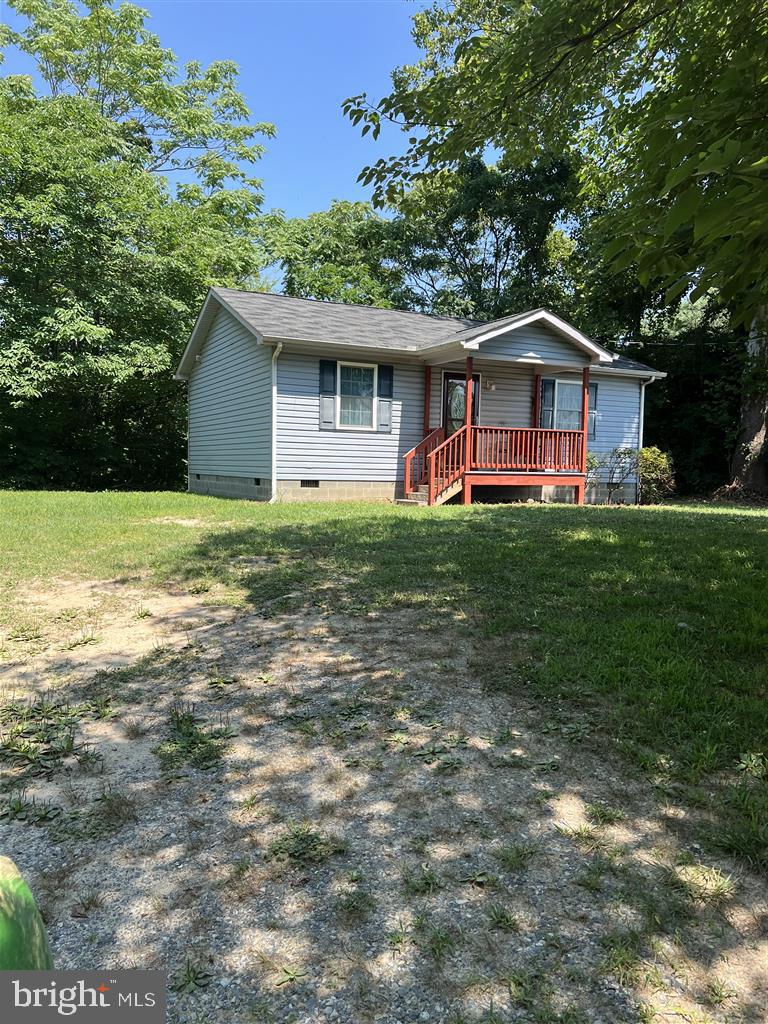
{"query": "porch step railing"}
[(496, 449), (447, 463), (416, 460)]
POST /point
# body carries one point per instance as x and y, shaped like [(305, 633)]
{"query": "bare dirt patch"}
[(308, 818)]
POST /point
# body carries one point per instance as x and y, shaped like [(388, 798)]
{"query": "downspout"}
[(275, 355), (643, 385)]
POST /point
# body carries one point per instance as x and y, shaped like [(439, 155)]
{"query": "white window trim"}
[(375, 407), (592, 409)]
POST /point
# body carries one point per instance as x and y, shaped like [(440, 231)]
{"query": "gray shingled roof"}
[(282, 316)]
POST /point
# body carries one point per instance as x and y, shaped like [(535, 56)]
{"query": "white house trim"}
[(579, 339), (374, 403)]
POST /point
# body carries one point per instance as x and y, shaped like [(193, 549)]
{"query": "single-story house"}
[(296, 399)]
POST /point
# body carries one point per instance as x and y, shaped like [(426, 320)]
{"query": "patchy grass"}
[(530, 728), (648, 623)]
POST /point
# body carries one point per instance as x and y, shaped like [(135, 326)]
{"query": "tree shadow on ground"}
[(462, 778)]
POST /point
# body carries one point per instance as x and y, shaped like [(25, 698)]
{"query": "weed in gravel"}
[(190, 743), (190, 978), (433, 938), (357, 904), (743, 827), (700, 883), (717, 992), (515, 856), (86, 901), (304, 845), (134, 728), (37, 735), (82, 639), (89, 759), (593, 875), (418, 843), (601, 814), (526, 987), (397, 939), (220, 686), (115, 809), (587, 837), (290, 975), (17, 808), (421, 881), (502, 919), (622, 957)]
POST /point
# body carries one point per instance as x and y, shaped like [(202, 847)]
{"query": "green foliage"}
[(304, 845), (481, 241), (105, 261), (667, 102), (694, 412), (655, 474), (339, 255), (189, 743)]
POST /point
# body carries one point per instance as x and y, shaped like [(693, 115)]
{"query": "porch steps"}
[(421, 495)]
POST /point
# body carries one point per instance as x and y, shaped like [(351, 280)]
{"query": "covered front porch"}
[(468, 443)]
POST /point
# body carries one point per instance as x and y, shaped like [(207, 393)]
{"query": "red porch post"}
[(468, 392), (466, 488), (536, 410), (427, 397), (584, 431)]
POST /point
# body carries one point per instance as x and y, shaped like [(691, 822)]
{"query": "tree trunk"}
[(749, 466)]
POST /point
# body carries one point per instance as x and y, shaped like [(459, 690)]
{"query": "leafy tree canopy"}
[(106, 257), (666, 101), (479, 241)]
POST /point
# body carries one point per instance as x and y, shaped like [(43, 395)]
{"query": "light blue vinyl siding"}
[(306, 452), (509, 405), (534, 343), (230, 403), (618, 413)]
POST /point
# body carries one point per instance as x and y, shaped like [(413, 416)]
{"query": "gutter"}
[(275, 356)]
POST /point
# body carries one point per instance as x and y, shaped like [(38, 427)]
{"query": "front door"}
[(454, 401)]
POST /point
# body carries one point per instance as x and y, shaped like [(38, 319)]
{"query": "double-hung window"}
[(357, 396), (561, 406)]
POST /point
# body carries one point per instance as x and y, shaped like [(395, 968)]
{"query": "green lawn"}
[(647, 625)]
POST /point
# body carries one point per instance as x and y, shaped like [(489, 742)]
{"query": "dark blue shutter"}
[(327, 389), (385, 389), (386, 374), (592, 414)]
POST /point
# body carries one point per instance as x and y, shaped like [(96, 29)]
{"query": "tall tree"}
[(341, 255), (105, 260), (666, 100), (480, 241)]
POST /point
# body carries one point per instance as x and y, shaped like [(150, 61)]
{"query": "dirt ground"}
[(308, 818)]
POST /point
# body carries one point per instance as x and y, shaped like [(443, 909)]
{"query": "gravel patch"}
[(318, 818)]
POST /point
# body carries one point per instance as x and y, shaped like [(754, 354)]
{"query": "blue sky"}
[(299, 60)]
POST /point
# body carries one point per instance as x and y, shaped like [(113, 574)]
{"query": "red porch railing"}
[(498, 449), (526, 450), (416, 460)]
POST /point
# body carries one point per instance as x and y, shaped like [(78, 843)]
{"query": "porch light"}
[(489, 385)]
